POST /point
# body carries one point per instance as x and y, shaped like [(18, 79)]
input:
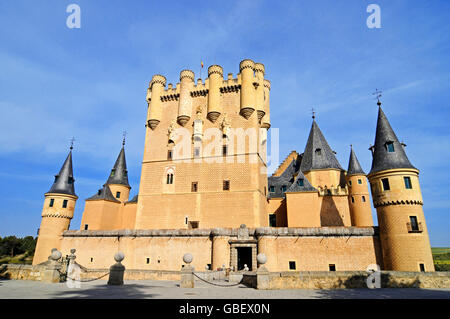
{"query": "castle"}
[(204, 189)]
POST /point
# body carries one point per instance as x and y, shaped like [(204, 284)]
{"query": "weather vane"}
[(71, 142), (124, 136), (313, 113), (378, 95)]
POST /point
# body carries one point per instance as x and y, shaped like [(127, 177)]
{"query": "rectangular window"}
[(86, 226), (186, 220), (363, 199), (332, 267), (422, 267), (92, 259), (118, 195), (52, 201), (283, 188), (292, 265), (414, 223), (273, 220), (353, 199), (148, 260), (169, 155), (272, 189), (385, 183), (194, 186), (224, 150), (359, 181), (193, 224), (390, 147), (65, 203), (408, 184), (226, 185)]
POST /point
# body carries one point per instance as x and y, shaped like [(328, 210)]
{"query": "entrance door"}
[(244, 257)]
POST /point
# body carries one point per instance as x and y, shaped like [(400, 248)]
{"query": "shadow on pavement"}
[(384, 293), (104, 291)]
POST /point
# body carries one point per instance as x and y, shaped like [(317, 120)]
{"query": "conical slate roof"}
[(297, 187), (133, 200), (104, 194), (383, 158), (318, 154), (119, 173), (64, 181), (354, 168)]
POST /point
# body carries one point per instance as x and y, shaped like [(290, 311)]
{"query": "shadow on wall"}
[(329, 213), (3, 273), (104, 291)]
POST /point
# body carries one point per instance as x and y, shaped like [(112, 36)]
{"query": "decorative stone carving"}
[(243, 232)]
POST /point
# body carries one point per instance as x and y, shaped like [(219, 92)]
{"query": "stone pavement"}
[(134, 289)]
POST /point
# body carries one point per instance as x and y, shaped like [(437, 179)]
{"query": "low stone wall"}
[(347, 279), (21, 272)]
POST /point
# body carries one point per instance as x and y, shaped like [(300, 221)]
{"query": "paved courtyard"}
[(20, 289)]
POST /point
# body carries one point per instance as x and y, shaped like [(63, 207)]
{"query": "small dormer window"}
[(117, 194), (283, 188), (99, 192), (272, 189), (318, 151), (113, 172), (70, 181), (56, 178), (390, 147), (300, 182)]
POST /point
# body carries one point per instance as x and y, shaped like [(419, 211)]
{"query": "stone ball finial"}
[(55, 254), (187, 258), (261, 258), (119, 256)]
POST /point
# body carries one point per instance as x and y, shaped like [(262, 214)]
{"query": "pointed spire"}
[(64, 181), (301, 184), (388, 152), (119, 173), (318, 154), (354, 168)]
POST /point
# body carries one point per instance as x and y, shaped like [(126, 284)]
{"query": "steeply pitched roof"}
[(64, 182), (119, 173), (296, 187), (133, 200), (382, 158), (354, 168), (318, 154), (104, 194), (285, 179)]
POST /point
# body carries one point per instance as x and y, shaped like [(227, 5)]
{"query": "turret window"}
[(385, 183), (414, 223), (52, 201), (226, 185), (390, 147), (118, 195), (353, 199), (359, 181), (408, 184), (363, 198), (65, 203), (194, 187)]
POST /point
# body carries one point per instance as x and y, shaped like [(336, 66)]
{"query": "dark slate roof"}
[(104, 194), (354, 168), (311, 158), (64, 182), (382, 159), (133, 200), (119, 173), (285, 179), (295, 187)]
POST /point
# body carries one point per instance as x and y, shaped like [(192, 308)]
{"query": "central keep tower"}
[(204, 163)]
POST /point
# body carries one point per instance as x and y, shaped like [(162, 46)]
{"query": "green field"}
[(441, 256)]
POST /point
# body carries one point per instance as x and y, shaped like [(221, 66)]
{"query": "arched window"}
[(169, 178)]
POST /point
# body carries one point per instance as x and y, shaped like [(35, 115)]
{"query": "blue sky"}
[(91, 83)]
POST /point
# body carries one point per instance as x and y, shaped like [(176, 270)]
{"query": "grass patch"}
[(441, 257)]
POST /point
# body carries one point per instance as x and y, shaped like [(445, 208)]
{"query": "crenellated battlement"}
[(250, 84)]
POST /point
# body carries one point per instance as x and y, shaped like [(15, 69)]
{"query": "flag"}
[(202, 64)]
